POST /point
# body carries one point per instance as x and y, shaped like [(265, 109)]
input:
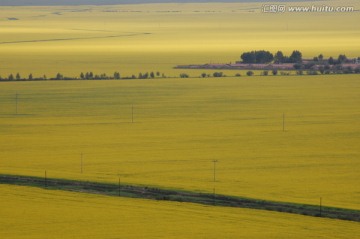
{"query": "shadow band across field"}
[(133, 191)]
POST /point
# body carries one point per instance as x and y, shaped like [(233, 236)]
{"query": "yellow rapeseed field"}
[(181, 125), (36, 213), (156, 37)]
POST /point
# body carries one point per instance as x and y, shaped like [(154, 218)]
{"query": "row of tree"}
[(341, 59), (322, 70), (86, 76), (300, 69), (265, 57)]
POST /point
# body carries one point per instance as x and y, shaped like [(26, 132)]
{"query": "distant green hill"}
[(111, 2)]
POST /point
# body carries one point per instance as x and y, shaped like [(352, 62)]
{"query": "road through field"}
[(74, 39)]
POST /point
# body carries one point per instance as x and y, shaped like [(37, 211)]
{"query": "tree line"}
[(296, 57), (86, 76), (310, 68)]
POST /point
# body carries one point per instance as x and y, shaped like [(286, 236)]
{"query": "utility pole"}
[(214, 161), (320, 207), (45, 179)]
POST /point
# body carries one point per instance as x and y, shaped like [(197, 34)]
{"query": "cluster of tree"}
[(341, 59), (295, 57), (274, 72), (215, 74), (150, 75), (184, 75), (327, 68), (18, 77), (265, 57), (257, 57), (91, 76), (335, 69), (338, 69)]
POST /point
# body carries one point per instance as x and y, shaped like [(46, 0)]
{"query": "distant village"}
[(265, 60)]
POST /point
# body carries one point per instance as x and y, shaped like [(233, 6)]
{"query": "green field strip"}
[(134, 191)]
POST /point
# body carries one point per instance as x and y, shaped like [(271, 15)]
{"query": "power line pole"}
[(320, 207), (81, 163), (214, 161)]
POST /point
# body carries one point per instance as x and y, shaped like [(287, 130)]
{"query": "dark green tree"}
[(296, 57), (331, 61), (263, 57), (184, 75), (117, 75), (103, 76), (258, 57), (342, 59), (250, 73), (248, 57), (279, 57), (59, 76), (217, 74)]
